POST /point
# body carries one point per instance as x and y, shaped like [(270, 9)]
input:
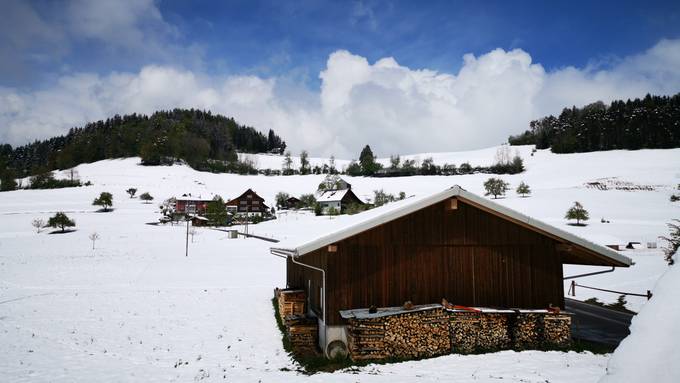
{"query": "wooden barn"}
[(453, 244), (248, 202)]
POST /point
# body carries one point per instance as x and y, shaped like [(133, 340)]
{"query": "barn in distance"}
[(453, 245)]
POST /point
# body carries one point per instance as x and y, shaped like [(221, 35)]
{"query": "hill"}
[(190, 135), (647, 123)]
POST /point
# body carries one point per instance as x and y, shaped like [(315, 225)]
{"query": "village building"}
[(453, 245), (292, 203), (249, 202), (337, 200), (191, 205)]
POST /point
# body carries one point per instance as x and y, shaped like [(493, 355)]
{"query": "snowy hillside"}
[(136, 309)]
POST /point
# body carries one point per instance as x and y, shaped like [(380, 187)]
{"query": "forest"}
[(652, 122), (197, 137)]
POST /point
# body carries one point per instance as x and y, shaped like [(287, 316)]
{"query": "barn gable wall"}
[(466, 255)]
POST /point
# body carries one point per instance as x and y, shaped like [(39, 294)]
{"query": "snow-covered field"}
[(137, 309)]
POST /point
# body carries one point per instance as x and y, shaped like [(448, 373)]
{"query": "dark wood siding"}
[(468, 256)]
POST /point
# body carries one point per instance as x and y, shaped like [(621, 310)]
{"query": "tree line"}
[(194, 136), (652, 122)]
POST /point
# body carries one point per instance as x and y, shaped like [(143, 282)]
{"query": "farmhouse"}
[(453, 245), (248, 202), (292, 203), (188, 204), (337, 200)]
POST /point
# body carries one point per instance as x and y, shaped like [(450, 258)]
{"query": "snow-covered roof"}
[(332, 195), (347, 226), (196, 198)]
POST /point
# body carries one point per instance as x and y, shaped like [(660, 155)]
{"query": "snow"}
[(332, 195), (649, 354), (135, 307)]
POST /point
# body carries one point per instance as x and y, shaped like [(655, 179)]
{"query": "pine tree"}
[(367, 162), (216, 211), (496, 187), (523, 189), (577, 212)]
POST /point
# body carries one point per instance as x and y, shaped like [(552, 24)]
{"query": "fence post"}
[(573, 288), (649, 295)]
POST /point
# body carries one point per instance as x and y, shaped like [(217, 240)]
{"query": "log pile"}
[(366, 339), (303, 334), (474, 332), (417, 334), (557, 330), (527, 331), (291, 302)]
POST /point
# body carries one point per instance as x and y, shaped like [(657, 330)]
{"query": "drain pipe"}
[(285, 254)]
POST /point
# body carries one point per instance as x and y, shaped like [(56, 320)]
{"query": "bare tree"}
[(38, 223), (193, 232), (93, 237)]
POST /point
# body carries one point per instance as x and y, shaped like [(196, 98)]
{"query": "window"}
[(256, 202)]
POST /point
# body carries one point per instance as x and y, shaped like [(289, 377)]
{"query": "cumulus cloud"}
[(393, 108)]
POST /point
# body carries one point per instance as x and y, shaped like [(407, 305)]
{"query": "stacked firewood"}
[(557, 330), (417, 334), (291, 302), (527, 330), (473, 331), (366, 338), (303, 334)]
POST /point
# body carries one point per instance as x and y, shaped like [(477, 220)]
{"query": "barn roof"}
[(352, 225)]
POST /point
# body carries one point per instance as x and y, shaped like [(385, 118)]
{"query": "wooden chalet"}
[(248, 202), (453, 244), (338, 200), (292, 203)]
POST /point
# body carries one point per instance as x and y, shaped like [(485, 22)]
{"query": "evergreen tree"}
[(331, 165), (60, 220), (367, 162), (577, 212), (523, 189), (7, 180), (496, 187), (354, 169), (105, 200), (216, 211)]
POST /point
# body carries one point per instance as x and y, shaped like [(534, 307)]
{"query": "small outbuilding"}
[(453, 244)]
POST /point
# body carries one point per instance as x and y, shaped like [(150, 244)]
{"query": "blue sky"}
[(280, 49)]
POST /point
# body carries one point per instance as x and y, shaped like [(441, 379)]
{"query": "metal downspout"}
[(323, 298)]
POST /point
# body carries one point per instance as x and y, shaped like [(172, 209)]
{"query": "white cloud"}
[(393, 108)]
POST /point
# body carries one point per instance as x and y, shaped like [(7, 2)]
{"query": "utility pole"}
[(186, 247)]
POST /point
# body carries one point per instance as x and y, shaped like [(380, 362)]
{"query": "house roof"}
[(243, 196), (332, 195), (359, 223)]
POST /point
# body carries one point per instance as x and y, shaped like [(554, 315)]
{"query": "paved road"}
[(597, 324)]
